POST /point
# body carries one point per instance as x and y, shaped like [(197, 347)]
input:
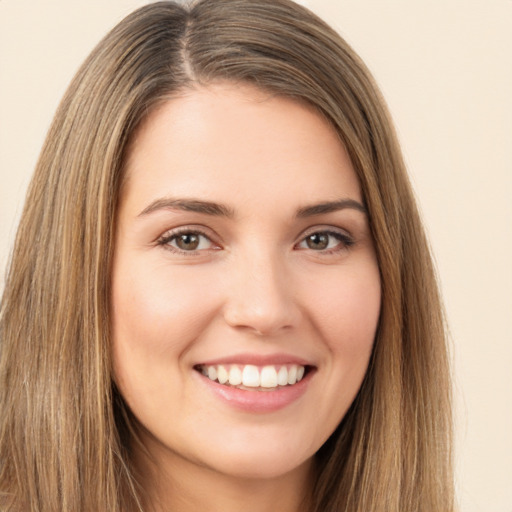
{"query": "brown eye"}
[(317, 241), (326, 241), (187, 241)]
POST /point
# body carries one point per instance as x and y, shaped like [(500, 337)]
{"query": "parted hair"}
[(65, 434)]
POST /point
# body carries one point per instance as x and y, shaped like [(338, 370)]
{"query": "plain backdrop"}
[(445, 68)]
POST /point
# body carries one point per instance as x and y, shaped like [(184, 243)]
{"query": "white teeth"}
[(292, 374), (212, 373), (268, 377), (282, 376), (252, 376), (235, 376), (222, 374)]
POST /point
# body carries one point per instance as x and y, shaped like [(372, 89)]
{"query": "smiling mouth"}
[(254, 378)]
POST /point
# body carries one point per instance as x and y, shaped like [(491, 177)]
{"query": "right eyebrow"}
[(329, 207), (188, 205)]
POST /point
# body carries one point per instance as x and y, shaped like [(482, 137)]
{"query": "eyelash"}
[(165, 240), (345, 241)]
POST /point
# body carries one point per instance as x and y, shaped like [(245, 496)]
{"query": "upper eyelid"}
[(342, 236), (324, 229), (198, 229), (174, 234)]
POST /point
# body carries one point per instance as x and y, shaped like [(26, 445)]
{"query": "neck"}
[(180, 485)]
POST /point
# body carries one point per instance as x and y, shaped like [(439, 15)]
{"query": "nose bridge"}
[(259, 295)]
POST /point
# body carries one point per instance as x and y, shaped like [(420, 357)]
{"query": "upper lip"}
[(257, 360)]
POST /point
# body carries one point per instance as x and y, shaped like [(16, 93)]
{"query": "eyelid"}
[(170, 234), (323, 228), (345, 238)]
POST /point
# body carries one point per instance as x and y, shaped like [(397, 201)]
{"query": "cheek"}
[(346, 316), (157, 307), (156, 316), (347, 310)]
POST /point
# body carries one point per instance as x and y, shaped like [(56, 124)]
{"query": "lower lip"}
[(258, 401)]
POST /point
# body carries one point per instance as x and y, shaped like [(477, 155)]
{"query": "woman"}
[(221, 294)]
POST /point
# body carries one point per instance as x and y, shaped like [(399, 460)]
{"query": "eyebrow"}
[(189, 205), (220, 210), (329, 207)]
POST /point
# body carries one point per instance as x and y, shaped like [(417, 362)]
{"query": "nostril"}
[(260, 321)]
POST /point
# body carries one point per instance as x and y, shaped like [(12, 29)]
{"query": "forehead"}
[(234, 143)]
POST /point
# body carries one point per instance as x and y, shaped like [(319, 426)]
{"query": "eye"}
[(326, 241), (187, 241)]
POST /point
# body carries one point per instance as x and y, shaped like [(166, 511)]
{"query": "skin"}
[(256, 284)]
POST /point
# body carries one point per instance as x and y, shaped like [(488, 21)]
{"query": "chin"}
[(262, 468), (255, 460)]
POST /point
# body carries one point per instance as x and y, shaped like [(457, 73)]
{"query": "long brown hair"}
[(64, 433)]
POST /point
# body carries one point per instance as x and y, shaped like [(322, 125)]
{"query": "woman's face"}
[(246, 291)]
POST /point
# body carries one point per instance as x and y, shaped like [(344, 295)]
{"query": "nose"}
[(260, 296)]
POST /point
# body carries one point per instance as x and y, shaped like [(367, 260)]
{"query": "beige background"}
[(445, 67)]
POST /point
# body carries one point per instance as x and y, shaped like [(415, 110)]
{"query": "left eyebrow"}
[(329, 207), (189, 205)]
